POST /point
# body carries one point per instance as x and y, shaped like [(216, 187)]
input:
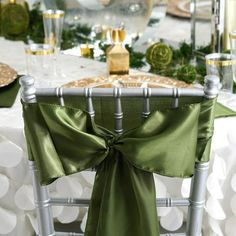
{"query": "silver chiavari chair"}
[(195, 202)]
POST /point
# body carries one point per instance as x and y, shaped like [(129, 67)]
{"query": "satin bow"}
[(64, 140)]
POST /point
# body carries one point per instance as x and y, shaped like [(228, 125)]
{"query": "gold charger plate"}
[(128, 81), (181, 8), (7, 75)]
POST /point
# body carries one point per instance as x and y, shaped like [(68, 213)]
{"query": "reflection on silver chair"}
[(196, 201)]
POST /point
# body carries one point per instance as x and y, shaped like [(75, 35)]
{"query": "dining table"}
[(17, 215)]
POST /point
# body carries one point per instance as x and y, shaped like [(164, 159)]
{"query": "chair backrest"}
[(92, 100)]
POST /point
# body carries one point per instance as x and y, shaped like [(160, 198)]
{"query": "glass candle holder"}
[(223, 65), (87, 50), (39, 61)]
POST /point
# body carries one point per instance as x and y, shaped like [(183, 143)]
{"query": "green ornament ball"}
[(15, 19), (187, 73), (159, 55)]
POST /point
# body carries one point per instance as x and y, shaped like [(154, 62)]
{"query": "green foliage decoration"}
[(181, 66), (74, 35), (187, 73), (35, 30), (14, 19), (182, 54), (136, 58), (159, 56)]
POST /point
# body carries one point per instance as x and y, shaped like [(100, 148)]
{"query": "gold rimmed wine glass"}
[(53, 21)]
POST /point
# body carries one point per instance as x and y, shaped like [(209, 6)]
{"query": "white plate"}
[(203, 7)]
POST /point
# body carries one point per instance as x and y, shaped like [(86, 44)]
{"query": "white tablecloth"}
[(17, 216)]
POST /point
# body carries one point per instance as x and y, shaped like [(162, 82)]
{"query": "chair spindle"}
[(146, 102), (118, 114), (176, 95), (59, 94), (89, 102), (41, 193)]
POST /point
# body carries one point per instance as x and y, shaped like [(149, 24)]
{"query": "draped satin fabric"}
[(65, 140)]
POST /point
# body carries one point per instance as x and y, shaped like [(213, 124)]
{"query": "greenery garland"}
[(180, 66)]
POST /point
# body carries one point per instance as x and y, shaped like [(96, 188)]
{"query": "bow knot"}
[(112, 141)]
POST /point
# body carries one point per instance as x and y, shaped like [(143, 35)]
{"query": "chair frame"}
[(195, 202)]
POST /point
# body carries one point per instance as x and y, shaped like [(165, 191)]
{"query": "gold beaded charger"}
[(128, 81), (7, 75)]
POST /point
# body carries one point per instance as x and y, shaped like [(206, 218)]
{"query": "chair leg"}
[(42, 203), (197, 199)]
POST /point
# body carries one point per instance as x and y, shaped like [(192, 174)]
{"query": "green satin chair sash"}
[(65, 140)]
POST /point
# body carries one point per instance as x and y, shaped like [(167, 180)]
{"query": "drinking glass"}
[(53, 21), (53, 25), (39, 61), (222, 65), (87, 50)]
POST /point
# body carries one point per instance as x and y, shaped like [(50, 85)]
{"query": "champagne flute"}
[(53, 21)]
